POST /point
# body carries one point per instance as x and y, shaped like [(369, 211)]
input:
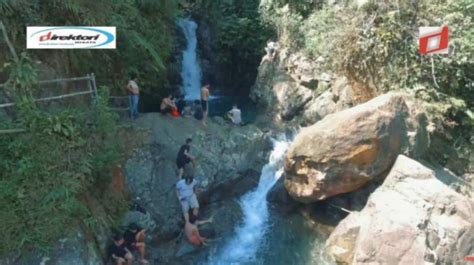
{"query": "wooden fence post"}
[(94, 86)]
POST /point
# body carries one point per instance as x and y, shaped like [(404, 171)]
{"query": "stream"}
[(263, 236)]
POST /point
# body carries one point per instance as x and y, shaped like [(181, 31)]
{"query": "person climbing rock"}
[(191, 230), (134, 238), (119, 252), (271, 50), (167, 104), (186, 193), (134, 91), (205, 101), (235, 115), (184, 157)]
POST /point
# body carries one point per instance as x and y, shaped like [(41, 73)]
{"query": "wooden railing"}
[(92, 90)]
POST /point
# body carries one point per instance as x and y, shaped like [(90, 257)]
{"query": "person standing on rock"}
[(135, 240), (186, 193), (119, 252), (184, 157), (134, 91), (205, 101), (192, 232)]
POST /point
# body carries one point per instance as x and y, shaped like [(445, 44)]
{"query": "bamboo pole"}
[(51, 98), (7, 40), (7, 131), (94, 86), (59, 80)]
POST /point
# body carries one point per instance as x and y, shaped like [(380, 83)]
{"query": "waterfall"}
[(191, 71), (243, 246)]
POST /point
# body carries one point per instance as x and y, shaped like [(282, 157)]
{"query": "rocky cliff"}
[(292, 87), (413, 218)]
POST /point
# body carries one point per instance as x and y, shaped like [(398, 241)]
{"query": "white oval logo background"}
[(71, 37)]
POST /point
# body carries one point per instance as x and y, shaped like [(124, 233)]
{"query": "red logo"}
[(434, 40), (469, 258), (46, 37)]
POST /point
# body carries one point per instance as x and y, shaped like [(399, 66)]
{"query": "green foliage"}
[(47, 171), (375, 45), (145, 37), (239, 39)]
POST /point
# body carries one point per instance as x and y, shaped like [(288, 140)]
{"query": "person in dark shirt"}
[(198, 111), (184, 157), (135, 240), (119, 252), (180, 104)]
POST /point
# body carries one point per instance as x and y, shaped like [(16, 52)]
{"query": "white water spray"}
[(191, 71), (243, 247)]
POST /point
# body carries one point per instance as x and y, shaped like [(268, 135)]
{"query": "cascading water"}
[(243, 247), (191, 71)]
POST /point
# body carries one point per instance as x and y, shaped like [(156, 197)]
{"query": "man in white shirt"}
[(185, 190), (134, 91), (235, 115)]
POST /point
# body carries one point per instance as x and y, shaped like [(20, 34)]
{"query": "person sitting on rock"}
[(135, 240), (235, 115), (119, 252), (192, 232), (198, 111), (181, 104), (186, 193), (184, 157), (167, 104)]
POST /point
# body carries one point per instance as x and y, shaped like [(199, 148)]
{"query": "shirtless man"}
[(167, 104), (192, 232), (205, 101)]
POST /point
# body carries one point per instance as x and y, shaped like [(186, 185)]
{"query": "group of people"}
[(186, 189), (133, 239), (177, 106)]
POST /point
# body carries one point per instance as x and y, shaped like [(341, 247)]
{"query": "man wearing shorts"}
[(135, 240), (184, 157), (185, 190), (205, 101), (119, 252)]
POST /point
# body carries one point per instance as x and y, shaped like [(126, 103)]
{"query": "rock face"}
[(224, 154), (294, 87), (345, 150), (413, 218)]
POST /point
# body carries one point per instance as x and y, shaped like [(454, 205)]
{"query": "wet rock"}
[(346, 150), (224, 157), (413, 218), (279, 198)]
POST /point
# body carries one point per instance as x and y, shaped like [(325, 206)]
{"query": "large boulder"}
[(346, 150), (413, 218)]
